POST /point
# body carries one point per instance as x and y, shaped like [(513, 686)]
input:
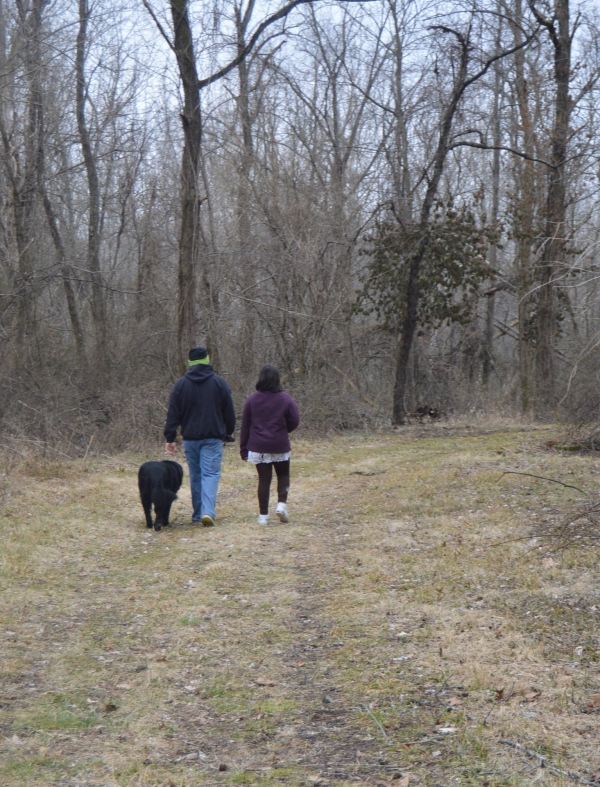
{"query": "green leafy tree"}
[(454, 265)]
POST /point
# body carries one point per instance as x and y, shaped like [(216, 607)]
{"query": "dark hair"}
[(268, 379)]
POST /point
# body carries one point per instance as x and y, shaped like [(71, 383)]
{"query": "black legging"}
[(265, 474)]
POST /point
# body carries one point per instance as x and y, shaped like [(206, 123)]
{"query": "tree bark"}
[(524, 215), (247, 278), (22, 173), (488, 343), (93, 247), (400, 167), (554, 249), (191, 120)]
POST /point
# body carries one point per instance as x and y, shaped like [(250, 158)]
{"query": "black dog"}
[(159, 482)]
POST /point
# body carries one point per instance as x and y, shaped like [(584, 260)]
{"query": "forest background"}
[(394, 202)]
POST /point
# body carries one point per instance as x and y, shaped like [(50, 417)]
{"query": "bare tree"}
[(553, 255), (461, 82), (22, 165), (93, 244)]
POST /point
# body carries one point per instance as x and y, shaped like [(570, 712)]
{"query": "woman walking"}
[(268, 417)]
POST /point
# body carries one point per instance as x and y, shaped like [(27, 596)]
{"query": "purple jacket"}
[(267, 419)]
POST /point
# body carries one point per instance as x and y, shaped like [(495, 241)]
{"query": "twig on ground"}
[(367, 709), (88, 448), (497, 702), (543, 478), (437, 693), (544, 763)]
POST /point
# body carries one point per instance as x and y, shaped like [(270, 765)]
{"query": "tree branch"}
[(161, 29), (544, 22), (483, 146), (281, 14), (499, 56)]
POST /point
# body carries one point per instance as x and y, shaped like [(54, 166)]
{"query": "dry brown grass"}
[(401, 601)]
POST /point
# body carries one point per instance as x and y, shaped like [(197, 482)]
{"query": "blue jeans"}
[(204, 462)]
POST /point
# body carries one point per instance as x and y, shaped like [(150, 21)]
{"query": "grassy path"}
[(394, 632)]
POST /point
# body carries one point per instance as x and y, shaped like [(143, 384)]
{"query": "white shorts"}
[(259, 459)]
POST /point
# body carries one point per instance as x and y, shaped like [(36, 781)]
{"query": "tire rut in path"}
[(323, 732)]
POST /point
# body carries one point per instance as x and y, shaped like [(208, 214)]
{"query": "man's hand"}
[(171, 448)]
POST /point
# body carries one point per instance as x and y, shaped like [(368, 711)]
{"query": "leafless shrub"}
[(574, 525), (579, 527)]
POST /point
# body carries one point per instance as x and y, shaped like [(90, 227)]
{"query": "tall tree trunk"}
[(488, 343), (189, 239), (22, 173), (524, 214), (244, 196), (554, 249), (66, 272), (37, 99), (93, 249), (400, 168)]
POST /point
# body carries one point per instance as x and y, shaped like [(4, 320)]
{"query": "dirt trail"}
[(311, 721)]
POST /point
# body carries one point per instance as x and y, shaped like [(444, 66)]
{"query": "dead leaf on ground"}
[(454, 702), (548, 562), (532, 695), (565, 679), (123, 686), (593, 703), (265, 682), (499, 694)]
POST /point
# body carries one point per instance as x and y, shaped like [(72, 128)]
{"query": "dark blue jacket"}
[(201, 404)]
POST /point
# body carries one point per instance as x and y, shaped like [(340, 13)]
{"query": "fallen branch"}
[(544, 763), (543, 478)]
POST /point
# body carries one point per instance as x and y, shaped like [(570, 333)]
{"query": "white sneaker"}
[(263, 519), (282, 512)]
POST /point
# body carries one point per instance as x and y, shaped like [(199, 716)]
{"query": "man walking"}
[(201, 404)]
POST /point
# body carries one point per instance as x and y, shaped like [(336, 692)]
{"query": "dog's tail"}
[(162, 497)]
